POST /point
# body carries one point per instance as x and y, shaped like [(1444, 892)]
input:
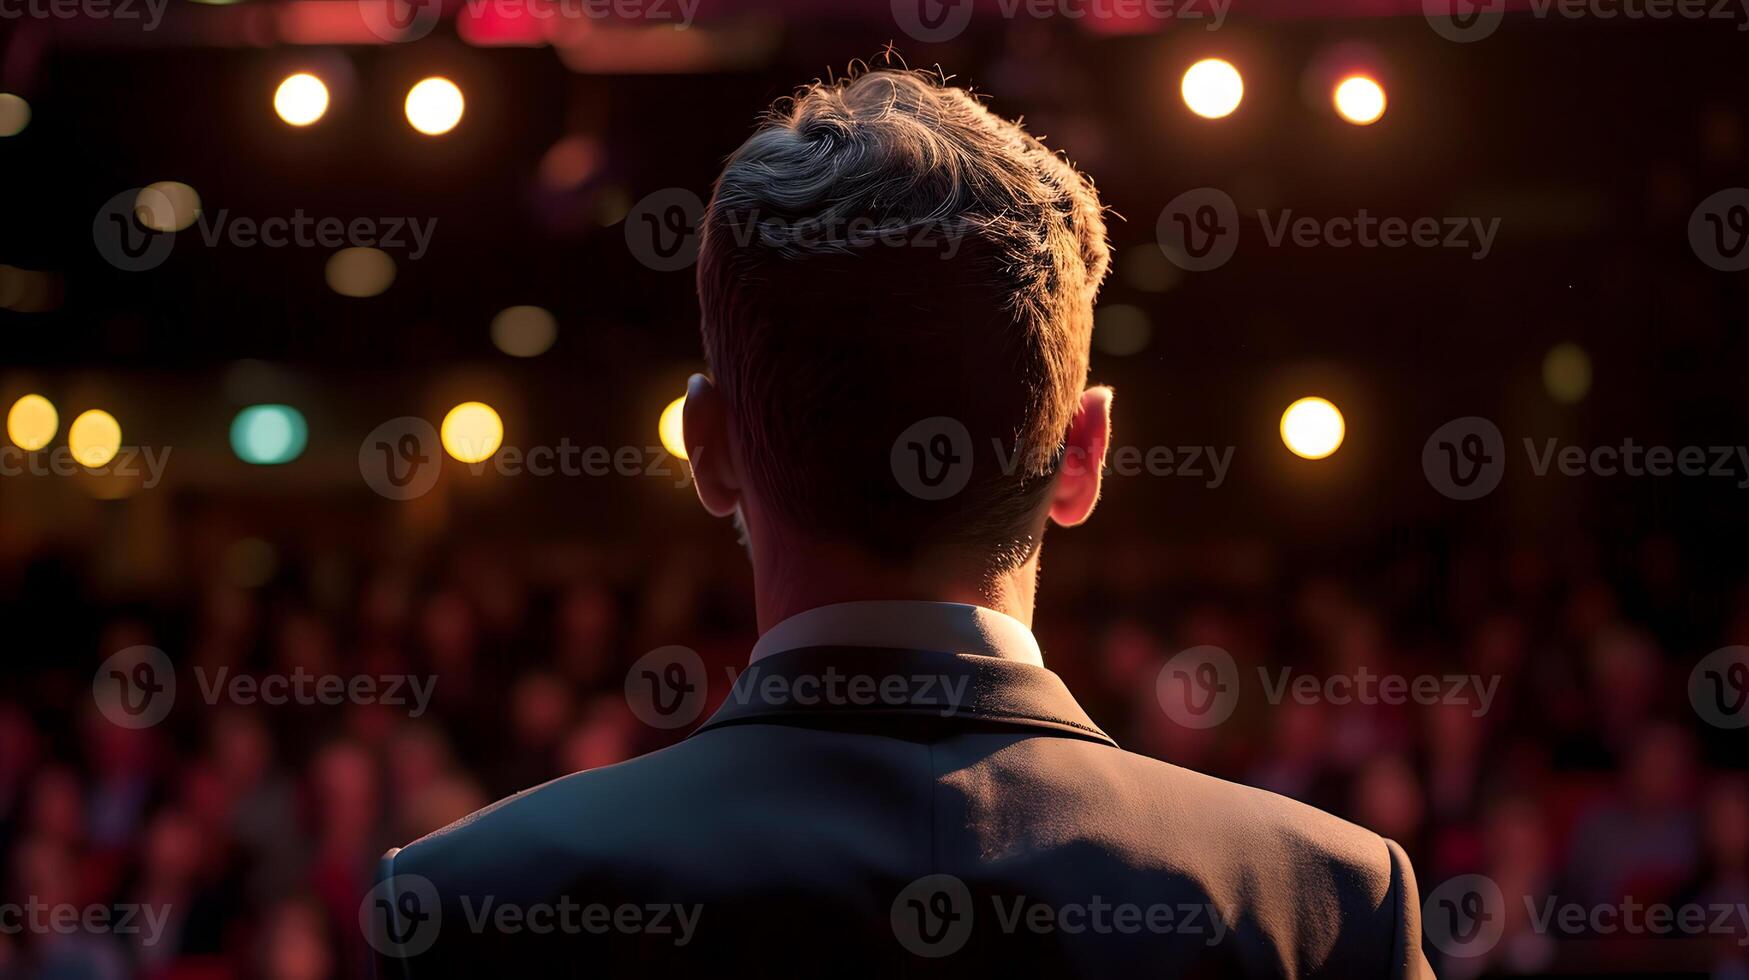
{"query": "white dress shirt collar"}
[(947, 627)]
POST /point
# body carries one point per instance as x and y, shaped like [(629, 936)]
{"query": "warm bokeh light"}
[(1312, 427), (1359, 99), (1212, 88), (94, 437), (434, 106), (671, 429), (570, 162), (32, 423), (472, 432), (301, 99), (524, 331), (360, 272), (14, 114), (1567, 373), (168, 205), (267, 435)]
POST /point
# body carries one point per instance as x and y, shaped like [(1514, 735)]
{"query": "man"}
[(897, 290)]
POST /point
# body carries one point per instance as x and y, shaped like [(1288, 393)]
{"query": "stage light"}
[(434, 106), (94, 437), (14, 114), (168, 205), (1312, 427), (1359, 99), (524, 331), (670, 428), (1567, 373), (32, 423), (472, 432), (1212, 88), (301, 99), (267, 435), (359, 271)]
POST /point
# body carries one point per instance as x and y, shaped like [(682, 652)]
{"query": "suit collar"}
[(823, 683)]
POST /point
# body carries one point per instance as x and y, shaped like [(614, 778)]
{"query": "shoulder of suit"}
[(1257, 826)]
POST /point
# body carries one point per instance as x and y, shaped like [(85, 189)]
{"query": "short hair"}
[(883, 250)]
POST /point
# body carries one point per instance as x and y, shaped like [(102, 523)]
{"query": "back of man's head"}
[(885, 250)]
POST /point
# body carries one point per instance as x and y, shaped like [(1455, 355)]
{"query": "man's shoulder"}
[(558, 826), (681, 792)]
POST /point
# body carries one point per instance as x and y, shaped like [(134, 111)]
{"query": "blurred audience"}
[(257, 825)]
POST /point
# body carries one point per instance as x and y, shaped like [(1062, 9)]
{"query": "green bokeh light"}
[(268, 435)]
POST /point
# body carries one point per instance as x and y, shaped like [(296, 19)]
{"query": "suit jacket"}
[(982, 827)]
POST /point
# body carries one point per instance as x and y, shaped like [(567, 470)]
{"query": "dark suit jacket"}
[(995, 831)]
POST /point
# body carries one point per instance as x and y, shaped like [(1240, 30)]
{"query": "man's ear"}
[(705, 427), (1078, 477)]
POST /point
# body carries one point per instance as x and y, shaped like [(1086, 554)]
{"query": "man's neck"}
[(794, 580)]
